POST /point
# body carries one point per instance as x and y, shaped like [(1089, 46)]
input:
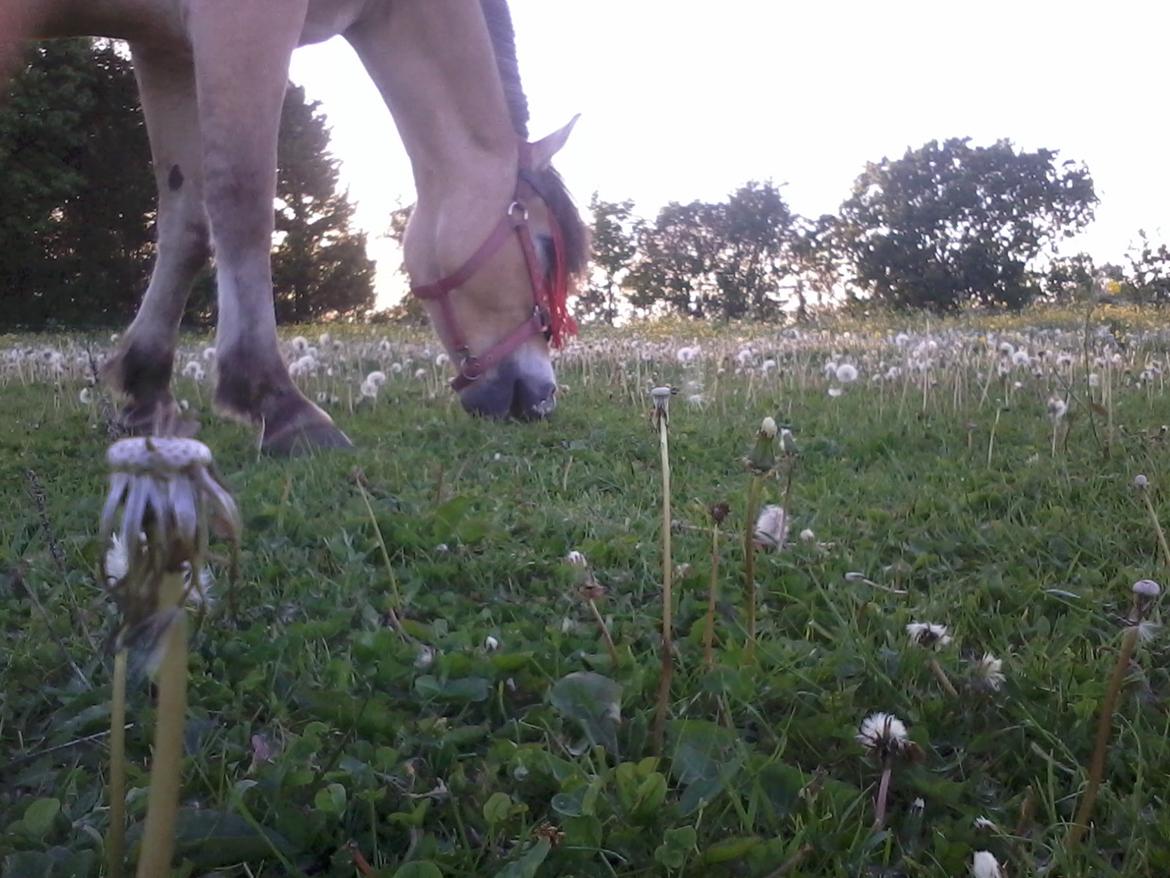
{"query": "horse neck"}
[(435, 67)]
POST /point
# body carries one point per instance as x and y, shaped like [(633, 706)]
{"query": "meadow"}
[(408, 676)]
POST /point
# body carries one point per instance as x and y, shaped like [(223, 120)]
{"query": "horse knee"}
[(240, 209)]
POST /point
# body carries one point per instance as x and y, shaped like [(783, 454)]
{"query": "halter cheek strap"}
[(549, 313)]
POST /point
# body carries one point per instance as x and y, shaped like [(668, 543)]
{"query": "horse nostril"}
[(534, 402)]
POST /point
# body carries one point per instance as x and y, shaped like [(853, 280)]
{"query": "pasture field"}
[(492, 734)]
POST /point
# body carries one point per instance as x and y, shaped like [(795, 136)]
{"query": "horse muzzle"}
[(510, 390)]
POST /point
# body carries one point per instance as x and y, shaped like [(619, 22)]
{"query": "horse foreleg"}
[(242, 52), (142, 367)]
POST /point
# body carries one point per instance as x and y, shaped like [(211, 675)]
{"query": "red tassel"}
[(561, 322)]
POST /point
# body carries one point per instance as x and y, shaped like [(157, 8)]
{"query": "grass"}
[(323, 740)]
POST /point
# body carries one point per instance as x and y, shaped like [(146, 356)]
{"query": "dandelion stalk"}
[(116, 839), (661, 397), (1145, 591), (166, 774), (718, 513), (760, 463), (1142, 483)]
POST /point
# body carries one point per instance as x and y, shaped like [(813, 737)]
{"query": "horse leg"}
[(142, 367), (242, 53)]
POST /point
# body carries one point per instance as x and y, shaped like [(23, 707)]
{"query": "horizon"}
[(679, 89)]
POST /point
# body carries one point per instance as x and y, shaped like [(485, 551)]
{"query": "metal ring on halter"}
[(523, 212), (471, 369)]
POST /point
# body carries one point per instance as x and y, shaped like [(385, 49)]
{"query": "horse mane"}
[(560, 202)]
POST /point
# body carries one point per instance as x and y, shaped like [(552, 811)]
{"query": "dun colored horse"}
[(491, 243)]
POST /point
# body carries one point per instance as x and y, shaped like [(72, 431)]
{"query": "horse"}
[(493, 244)]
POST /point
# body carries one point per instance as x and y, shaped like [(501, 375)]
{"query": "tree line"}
[(78, 203), (947, 225)]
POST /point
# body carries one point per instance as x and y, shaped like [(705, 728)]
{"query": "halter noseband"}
[(548, 307)]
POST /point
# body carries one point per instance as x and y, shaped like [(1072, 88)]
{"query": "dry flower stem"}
[(613, 656), (942, 678), (749, 561), (116, 841), (1157, 526), (712, 590), (158, 837), (667, 671), (883, 793), (1104, 730)]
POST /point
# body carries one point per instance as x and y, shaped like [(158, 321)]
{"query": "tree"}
[(77, 190), (727, 259), (948, 224), (320, 267), (1148, 276), (1070, 278), (614, 240), (816, 261)]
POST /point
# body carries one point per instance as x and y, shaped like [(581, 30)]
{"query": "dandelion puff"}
[(987, 672), (846, 373), (1057, 408), (576, 559), (883, 735), (985, 865), (85, 397), (807, 535), (490, 643), (928, 634), (377, 378), (835, 392)]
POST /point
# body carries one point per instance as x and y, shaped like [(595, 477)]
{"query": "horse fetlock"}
[(141, 372)]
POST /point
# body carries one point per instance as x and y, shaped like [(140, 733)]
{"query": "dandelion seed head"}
[(883, 735), (928, 634), (985, 865), (846, 373), (1147, 589), (988, 672), (1141, 481)]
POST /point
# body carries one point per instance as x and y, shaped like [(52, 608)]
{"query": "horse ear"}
[(544, 149)]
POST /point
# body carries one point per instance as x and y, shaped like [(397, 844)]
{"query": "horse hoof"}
[(297, 440)]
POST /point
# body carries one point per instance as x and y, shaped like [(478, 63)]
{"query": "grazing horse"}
[(492, 242)]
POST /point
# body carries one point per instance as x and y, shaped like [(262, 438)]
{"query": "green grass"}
[(314, 723)]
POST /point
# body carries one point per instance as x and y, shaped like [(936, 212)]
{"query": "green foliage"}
[(949, 224)]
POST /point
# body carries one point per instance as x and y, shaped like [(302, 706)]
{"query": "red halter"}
[(550, 315)]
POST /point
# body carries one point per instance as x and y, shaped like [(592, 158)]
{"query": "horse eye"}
[(546, 251)]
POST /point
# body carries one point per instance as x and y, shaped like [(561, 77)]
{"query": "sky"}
[(683, 100)]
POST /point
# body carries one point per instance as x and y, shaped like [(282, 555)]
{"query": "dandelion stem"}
[(712, 591), (613, 656), (667, 593), (942, 678), (991, 438), (749, 560), (158, 837), (883, 793), (1104, 730), (1157, 526), (116, 842)]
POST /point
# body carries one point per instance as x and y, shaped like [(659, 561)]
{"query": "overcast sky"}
[(682, 100)]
